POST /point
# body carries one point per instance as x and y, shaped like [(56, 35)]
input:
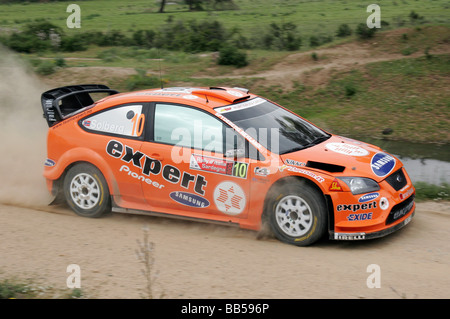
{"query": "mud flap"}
[(57, 194)]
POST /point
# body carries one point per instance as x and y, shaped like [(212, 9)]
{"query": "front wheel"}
[(86, 191), (297, 214)]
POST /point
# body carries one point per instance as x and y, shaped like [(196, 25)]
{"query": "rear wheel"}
[(86, 191), (297, 213)]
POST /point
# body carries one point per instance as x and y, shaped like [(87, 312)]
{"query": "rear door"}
[(117, 134)]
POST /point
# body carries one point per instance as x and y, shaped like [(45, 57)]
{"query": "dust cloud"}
[(23, 133)]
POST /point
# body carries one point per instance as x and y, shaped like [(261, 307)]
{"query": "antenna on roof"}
[(160, 76)]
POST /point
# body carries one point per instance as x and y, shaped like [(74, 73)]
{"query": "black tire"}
[(297, 213), (86, 191)]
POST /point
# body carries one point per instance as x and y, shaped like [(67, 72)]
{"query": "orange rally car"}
[(221, 155)]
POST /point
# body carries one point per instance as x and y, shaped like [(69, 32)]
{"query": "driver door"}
[(198, 164)]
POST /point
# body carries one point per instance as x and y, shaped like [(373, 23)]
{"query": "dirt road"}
[(196, 260)]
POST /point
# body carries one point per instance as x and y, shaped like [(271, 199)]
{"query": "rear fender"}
[(77, 155)]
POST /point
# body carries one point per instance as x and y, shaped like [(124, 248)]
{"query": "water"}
[(424, 162)]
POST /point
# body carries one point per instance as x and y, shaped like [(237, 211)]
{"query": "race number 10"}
[(138, 124), (240, 169)]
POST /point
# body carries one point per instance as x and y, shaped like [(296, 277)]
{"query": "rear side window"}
[(126, 120)]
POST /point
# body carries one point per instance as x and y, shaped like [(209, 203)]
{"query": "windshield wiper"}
[(314, 142), (318, 140)]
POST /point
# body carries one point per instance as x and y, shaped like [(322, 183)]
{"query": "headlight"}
[(360, 185)]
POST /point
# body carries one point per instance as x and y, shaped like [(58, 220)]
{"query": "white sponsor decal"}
[(229, 198), (190, 97), (240, 106), (235, 93), (349, 236), (384, 203), (293, 169), (347, 149), (294, 162), (407, 194), (104, 126)]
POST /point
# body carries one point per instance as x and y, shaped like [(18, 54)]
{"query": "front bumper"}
[(376, 234)]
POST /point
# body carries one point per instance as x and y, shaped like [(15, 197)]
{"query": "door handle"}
[(157, 156)]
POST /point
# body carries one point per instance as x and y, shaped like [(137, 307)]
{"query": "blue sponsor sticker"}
[(189, 199), (363, 216), (368, 197), (382, 164), (48, 162)]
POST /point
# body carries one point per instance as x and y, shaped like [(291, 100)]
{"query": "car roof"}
[(206, 98)]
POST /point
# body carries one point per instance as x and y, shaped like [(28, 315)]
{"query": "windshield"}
[(275, 128)]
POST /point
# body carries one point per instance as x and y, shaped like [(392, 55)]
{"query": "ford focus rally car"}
[(222, 155)]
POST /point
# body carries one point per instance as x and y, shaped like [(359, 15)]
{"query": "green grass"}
[(409, 95), (425, 191), (26, 289), (313, 17)]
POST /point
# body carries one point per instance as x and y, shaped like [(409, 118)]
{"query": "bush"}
[(364, 32), (408, 50), (315, 41), (205, 36), (10, 290), (43, 29), (413, 16), (343, 31), (230, 55), (282, 37), (93, 37), (350, 90), (73, 44), (190, 37), (109, 55), (114, 38), (27, 43), (46, 68), (60, 62), (144, 38), (427, 53), (141, 80)]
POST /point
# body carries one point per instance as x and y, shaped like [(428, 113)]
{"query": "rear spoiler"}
[(64, 102)]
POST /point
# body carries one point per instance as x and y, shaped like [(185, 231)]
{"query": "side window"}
[(126, 120), (188, 127)]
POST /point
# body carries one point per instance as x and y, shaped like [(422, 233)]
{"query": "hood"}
[(340, 156)]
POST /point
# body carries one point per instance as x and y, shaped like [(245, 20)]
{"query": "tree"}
[(161, 8), (194, 5)]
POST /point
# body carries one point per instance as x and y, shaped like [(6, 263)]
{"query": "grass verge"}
[(20, 289), (426, 191)]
